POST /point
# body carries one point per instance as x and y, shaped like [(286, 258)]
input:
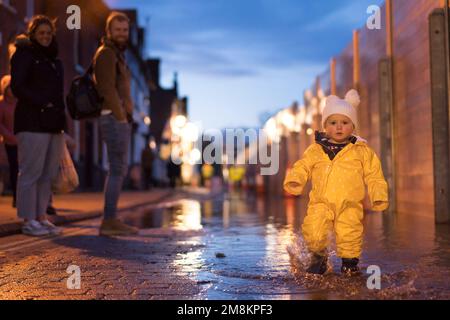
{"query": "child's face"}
[(339, 128)]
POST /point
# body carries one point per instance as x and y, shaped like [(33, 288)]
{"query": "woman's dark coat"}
[(37, 80)]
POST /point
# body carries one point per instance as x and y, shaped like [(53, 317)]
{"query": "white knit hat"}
[(346, 107)]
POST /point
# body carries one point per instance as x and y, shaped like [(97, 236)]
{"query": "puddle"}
[(251, 248)]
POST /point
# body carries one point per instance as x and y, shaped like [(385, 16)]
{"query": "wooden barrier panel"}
[(439, 97), (372, 48), (386, 129), (412, 106), (325, 82), (344, 71)]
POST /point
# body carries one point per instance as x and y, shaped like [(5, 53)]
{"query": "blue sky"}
[(237, 59)]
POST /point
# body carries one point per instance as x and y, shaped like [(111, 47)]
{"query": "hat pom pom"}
[(352, 97), (332, 99)]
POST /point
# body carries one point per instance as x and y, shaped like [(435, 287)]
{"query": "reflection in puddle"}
[(188, 216), (183, 215), (192, 260)]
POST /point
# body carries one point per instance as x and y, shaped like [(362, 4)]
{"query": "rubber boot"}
[(318, 264), (350, 266)]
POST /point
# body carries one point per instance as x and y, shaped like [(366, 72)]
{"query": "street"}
[(252, 150), (235, 245)]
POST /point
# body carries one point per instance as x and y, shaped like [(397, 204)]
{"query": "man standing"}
[(112, 77)]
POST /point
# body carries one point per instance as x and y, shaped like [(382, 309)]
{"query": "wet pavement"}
[(251, 249), (234, 246)]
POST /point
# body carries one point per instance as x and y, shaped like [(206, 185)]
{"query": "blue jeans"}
[(116, 136)]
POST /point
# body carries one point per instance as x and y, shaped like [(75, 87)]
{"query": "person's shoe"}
[(52, 229), (51, 211), (318, 264), (350, 266), (115, 227), (34, 228)]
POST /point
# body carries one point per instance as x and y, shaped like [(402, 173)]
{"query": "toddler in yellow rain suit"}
[(339, 165)]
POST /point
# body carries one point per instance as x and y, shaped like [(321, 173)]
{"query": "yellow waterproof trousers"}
[(346, 222)]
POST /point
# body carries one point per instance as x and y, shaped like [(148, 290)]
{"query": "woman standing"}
[(39, 121)]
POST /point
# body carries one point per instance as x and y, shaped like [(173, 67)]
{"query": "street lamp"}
[(152, 144), (288, 120), (190, 132), (271, 130), (178, 121), (323, 102), (195, 156)]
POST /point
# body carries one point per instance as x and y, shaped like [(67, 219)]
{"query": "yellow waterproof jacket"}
[(340, 183)]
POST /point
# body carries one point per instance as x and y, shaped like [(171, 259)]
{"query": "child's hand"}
[(293, 185), (380, 205), (293, 188)]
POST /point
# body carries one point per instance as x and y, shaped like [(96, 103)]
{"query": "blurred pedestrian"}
[(207, 171), (112, 77), (37, 80), (147, 158), (236, 175), (173, 171), (7, 107), (159, 170)]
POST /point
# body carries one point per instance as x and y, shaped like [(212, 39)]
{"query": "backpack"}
[(83, 100)]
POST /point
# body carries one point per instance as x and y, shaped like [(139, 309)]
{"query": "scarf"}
[(50, 52)]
